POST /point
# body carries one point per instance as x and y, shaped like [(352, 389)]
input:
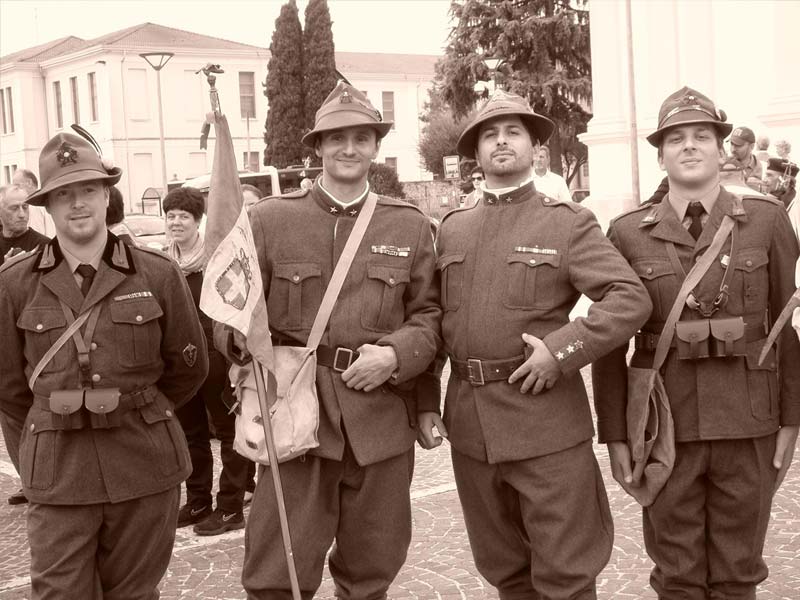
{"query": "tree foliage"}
[(383, 180), (544, 45), (284, 91), (319, 60), (439, 137)]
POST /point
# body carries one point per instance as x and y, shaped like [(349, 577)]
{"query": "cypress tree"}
[(284, 91), (319, 73)]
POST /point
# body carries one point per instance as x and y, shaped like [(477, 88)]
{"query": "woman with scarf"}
[(184, 209)]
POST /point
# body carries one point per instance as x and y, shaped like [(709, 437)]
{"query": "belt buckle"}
[(349, 357), (474, 365)]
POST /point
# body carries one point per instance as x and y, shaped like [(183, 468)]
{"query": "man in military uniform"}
[(780, 180), (743, 140), (383, 332), (736, 420), (100, 342), (516, 411)]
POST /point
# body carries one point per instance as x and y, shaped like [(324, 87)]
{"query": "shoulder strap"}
[(692, 279), (340, 272)]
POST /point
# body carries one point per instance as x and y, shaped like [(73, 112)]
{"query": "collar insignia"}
[(48, 258), (119, 258), (66, 155)]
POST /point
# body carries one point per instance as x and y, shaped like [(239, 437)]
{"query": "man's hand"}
[(426, 421), (621, 468), (541, 367), (784, 451), (374, 365)]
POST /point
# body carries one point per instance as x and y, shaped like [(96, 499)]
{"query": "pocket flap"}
[(296, 272), (154, 412), (751, 259), (651, 269), (535, 260), (391, 276), (446, 261), (40, 320), (135, 312), (727, 329), (692, 331)]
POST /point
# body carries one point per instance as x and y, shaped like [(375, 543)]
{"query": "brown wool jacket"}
[(515, 265), (147, 335), (387, 299), (717, 398)]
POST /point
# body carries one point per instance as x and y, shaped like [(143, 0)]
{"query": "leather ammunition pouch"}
[(711, 338), (97, 408)]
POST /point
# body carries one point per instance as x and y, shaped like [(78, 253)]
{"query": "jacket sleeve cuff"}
[(412, 357), (568, 348)]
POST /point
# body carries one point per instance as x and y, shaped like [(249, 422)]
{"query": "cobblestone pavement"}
[(439, 564)]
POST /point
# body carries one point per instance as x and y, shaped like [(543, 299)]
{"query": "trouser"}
[(540, 528), (194, 420), (705, 531), (102, 551), (367, 510)]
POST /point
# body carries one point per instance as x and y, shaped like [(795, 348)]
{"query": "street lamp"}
[(158, 60), (489, 86)]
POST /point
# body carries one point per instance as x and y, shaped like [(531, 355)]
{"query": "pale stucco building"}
[(743, 54), (105, 85)]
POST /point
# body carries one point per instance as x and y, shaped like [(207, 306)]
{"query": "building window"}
[(57, 102), (76, 107), (7, 173), (7, 108), (391, 161), (250, 161), (247, 94), (93, 94), (388, 107), (137, 94)]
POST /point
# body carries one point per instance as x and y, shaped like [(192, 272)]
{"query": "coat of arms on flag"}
[(233, 285)]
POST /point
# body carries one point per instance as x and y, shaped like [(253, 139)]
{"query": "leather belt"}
[(479, 372), (648, 341), (337, 358)]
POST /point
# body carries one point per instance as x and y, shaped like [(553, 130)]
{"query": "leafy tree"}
[(284, 91), (439, 137), (544, 45), (383, 180), (319, 74)]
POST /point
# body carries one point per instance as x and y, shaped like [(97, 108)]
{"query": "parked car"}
[(150, 230), (580, 194)]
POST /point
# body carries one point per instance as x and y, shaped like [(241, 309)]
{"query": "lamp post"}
[(490, 86), (158, 60)]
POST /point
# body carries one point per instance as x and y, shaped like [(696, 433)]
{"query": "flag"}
[(233, 292)]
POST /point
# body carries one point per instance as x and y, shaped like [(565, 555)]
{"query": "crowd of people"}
[(113, 380)]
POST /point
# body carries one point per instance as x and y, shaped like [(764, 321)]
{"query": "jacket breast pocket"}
[(750, 280), (530, 281), (451, 267), (295, 295), (659, 278), (382, 308), (43, 326), (137, 331)]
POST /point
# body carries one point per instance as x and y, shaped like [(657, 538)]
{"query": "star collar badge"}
[(334, 210), (353, 212)]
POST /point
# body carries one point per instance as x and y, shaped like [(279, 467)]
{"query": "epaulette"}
[(389, 201), (551, 202), (459, 210), (18, 259), (763, 197), (153, 251), (648, 205)]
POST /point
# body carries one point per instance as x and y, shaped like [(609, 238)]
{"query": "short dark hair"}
[(116, 207), (185, 198), (476, 171), (30, 175), (246, 187)]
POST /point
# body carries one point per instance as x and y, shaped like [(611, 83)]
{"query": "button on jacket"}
[(718, 398), (389, 297), (147, 334), (527, 259)]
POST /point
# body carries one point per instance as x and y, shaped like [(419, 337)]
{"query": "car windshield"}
[(146, 225)]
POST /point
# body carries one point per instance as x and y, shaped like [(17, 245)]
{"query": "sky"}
[(395, 26)]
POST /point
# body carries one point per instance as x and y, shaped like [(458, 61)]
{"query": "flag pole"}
[(275, 470), (210, 71)]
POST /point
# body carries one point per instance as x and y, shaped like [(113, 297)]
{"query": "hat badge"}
[(345, 98), (66, 154), (688, 99)]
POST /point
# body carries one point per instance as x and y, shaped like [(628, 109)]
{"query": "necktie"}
[(695, 211), (87, 272)]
